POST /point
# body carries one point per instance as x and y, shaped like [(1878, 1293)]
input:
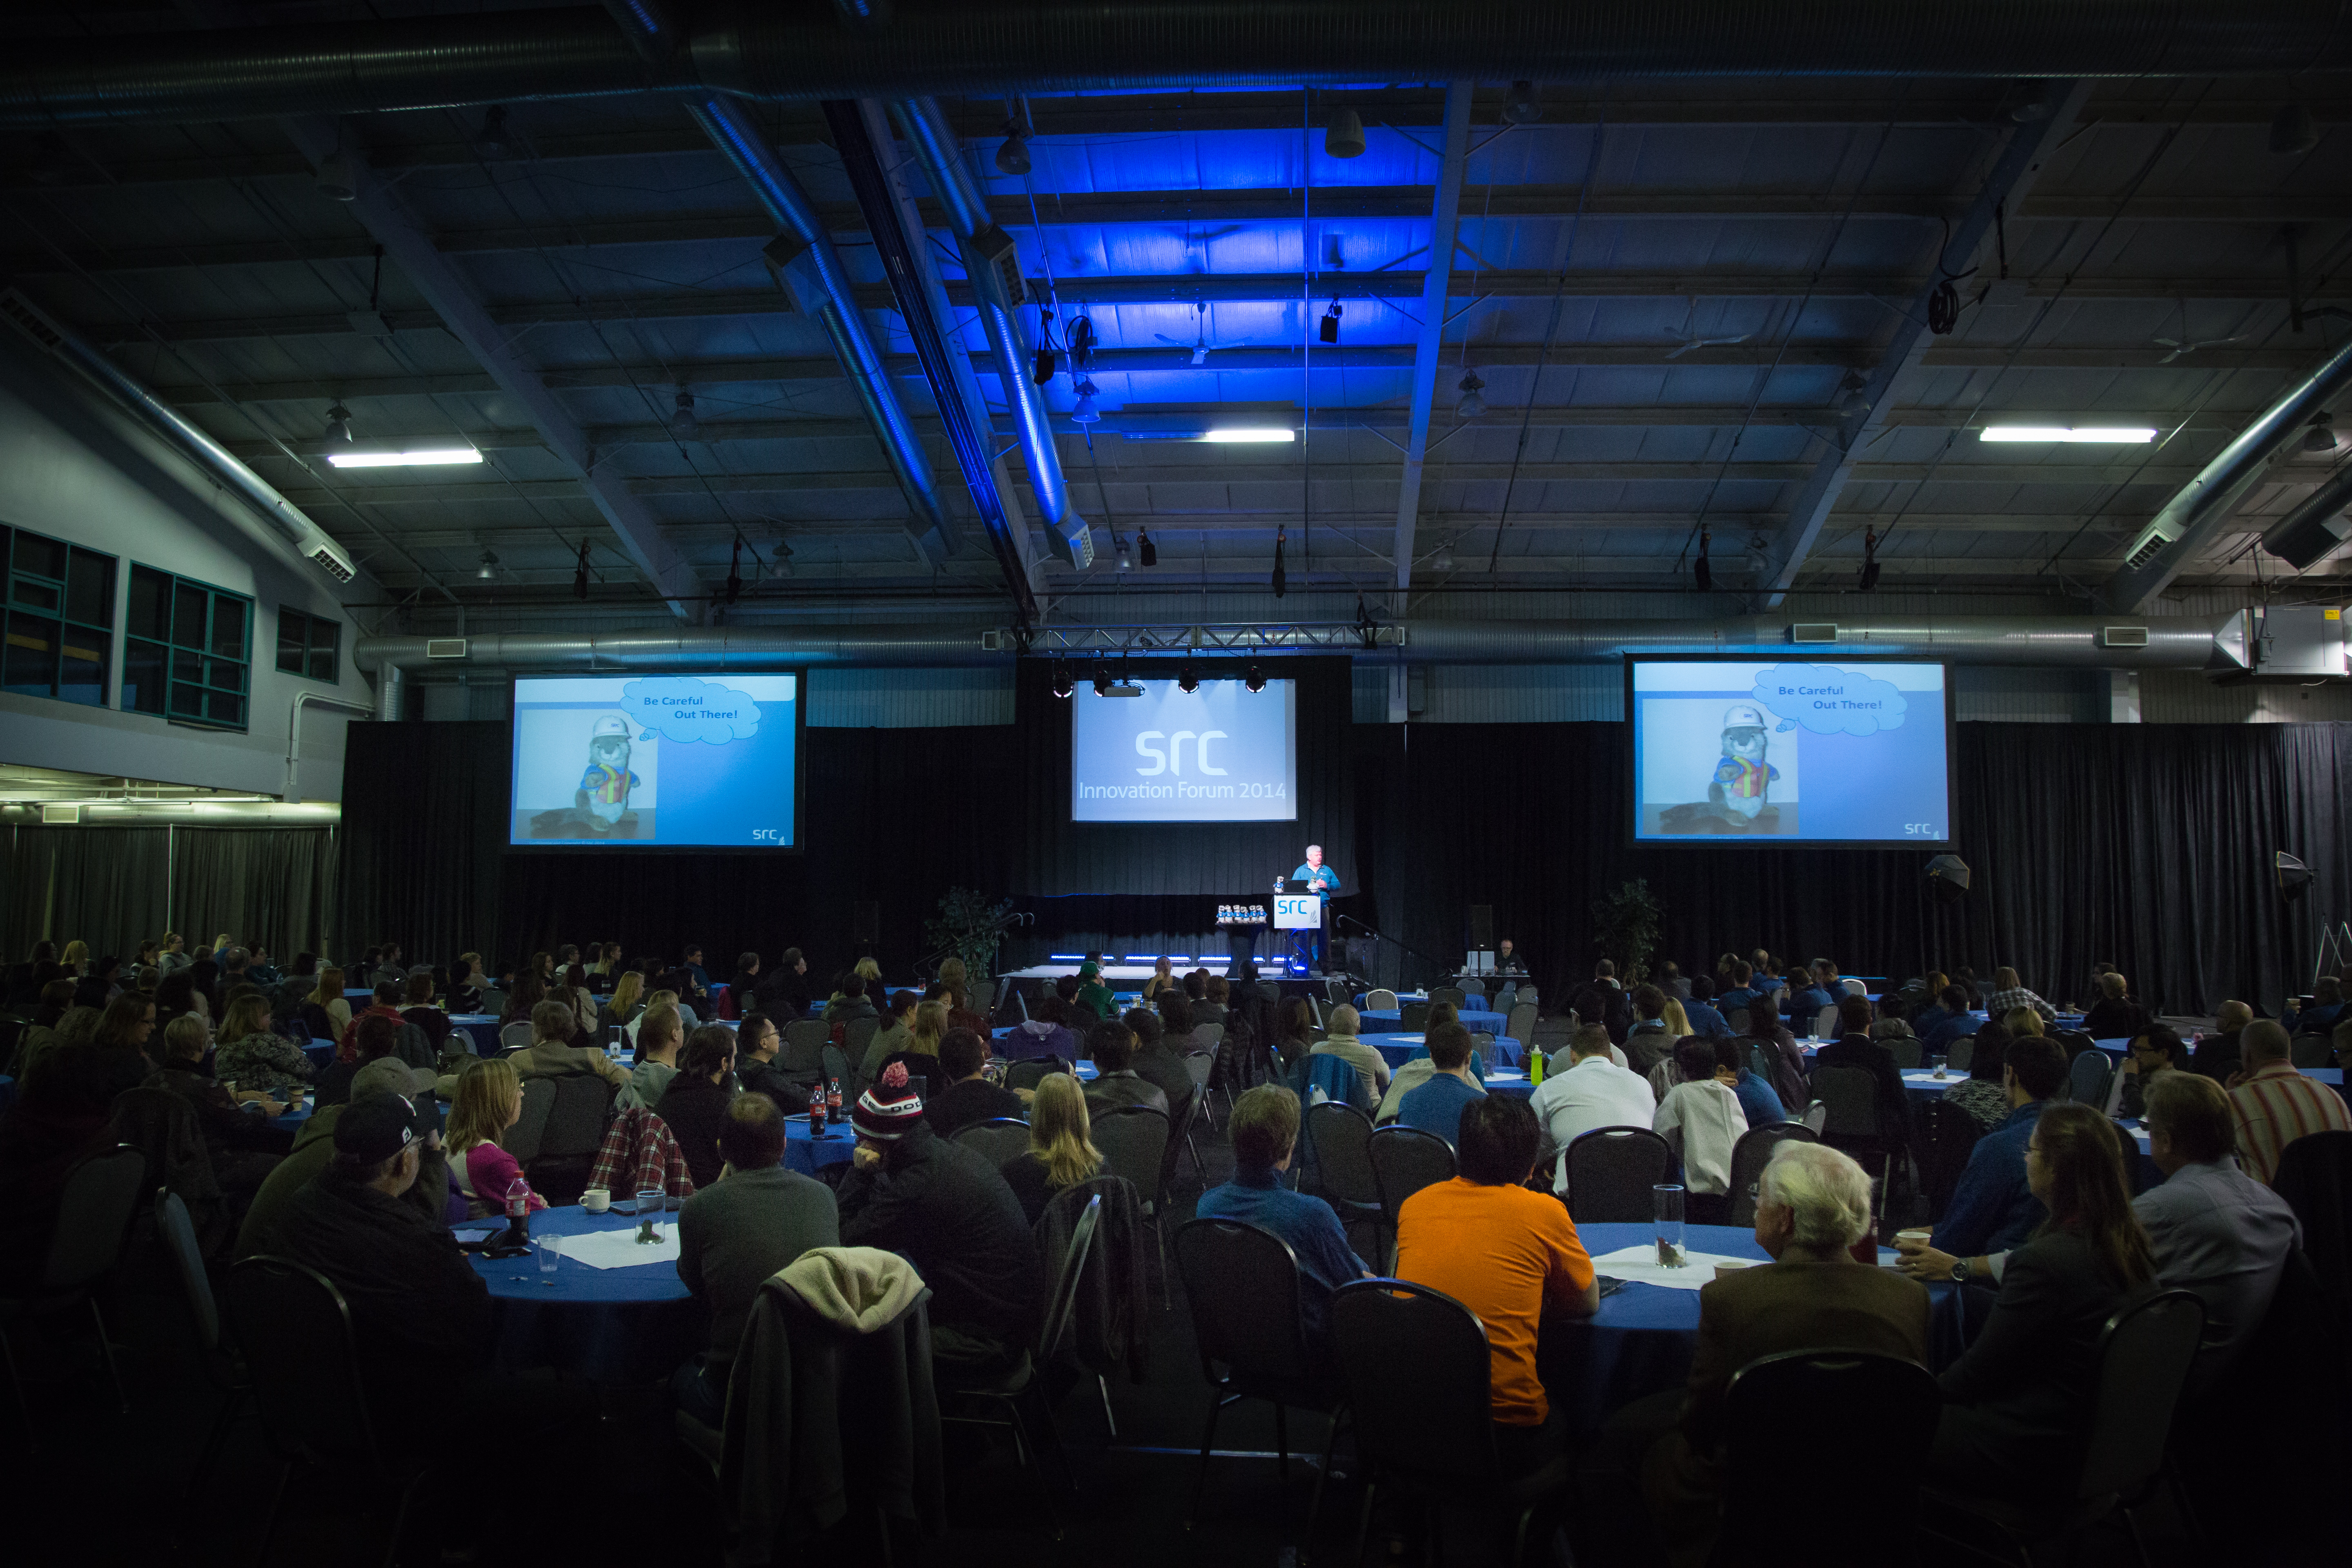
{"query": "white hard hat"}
[(610, 724), (1742, 716)]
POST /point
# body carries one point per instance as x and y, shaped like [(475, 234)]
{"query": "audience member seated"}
[(1603, 1001), (2327, 1009), (252, 1055), (554, 1027), (2022, 1022), (1437, 1105), (1996, 1206), (1345, 1042), (1061, 1152), (2112, 1016), (961, 1014), (54, 998), (659, 1035), (1116, 1083), (488, 1101), (2217, 1055), (1891, 1025), (1758, 1101), (467, 984), (124, 1034), (2274, 1104), (1819, 991), (968, 1096), (1854, 1047), (1813, 1203), (418, 1009), (242, 1144), (757, 1041), (2154, 1051), (1162, 978), (2009, 993), (1985, 1095), (1210, 1007), (1936, 1007), (1265, 1128), (746, 982), (389, 970), (783, 990), (1651, 1038), (850, 1002), (1734, 975), (1699, 1009), (2018, 1401), (1505, 1253), (897, 1034), (314, 1145), (695, 1103), (1160, 1063), (386, 1004), (1092, 995), (372, 1039), (944, 1209), (628, 998), (1701, 1121), (2213, 1229), (1954, 1022), (1293, 1030), (60, 1117), (1591, 1091), (1043, 1033), (523, 999), (753, 1223)]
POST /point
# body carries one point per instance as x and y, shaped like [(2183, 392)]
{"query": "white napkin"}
[(619, 1248), (1642, 1263)]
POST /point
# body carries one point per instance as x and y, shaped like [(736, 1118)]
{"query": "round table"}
[(628, 1324), (1397, 1048), (481, 1027), (320, 1052), (1477, 1022), (809, 1155)]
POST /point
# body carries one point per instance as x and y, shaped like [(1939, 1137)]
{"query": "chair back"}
[(1242, 1284), (1522, 1025), (1404, 1160), (1338, 1079), (1380, 1001), (1737, 1020), (1414, 1017), (1134, 1142), (1339, 1136), (179, 1234), (2086, 1078), (1414, 1365), (1876, 1412), (1961, 1054), (805, 1042), (836, 1064), (1472, 987), (856, 1036), (1453, 993), (575, 1122), (2314, 1177), (95, 1207), (2145, 1352), (1852, 1096), (1947, 1136), (516, 1036), (1748, 1158), (996, 1139), (2311, 1050), (1062, 1305), (1610, 1171), (1208, 1037), (1026, 1072), (317, 1412), (1904, 1049), (921, 1069), (522, 1139), (1815, 1116), (1199, 1066), (1825, 1024)]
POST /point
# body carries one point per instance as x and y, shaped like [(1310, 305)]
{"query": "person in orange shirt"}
[(1505, 1252)]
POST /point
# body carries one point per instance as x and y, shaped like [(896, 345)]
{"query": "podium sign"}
[(1297, 911)]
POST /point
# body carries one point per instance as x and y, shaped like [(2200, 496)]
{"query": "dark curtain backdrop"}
[(107, 886), (270, 885), (2145, 845), (104, 886)]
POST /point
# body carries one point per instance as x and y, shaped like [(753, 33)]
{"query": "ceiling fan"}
[(1689, 343), (2178, 347), (1200, 343)]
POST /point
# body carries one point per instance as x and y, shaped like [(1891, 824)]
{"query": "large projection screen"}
[(1221, 754), (1789, 751), (658, 761)]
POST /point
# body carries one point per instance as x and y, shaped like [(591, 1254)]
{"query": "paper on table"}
[(1641, 1263), (619, 1248)]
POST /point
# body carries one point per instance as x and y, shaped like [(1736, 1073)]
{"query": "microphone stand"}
[(1382, 936)]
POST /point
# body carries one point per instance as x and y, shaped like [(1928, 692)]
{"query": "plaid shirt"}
[(640, 1152), (2276, 1106), (2002, 1003)]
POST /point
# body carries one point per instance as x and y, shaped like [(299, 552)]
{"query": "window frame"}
[(174, 652), (311, 649), (62, 617)]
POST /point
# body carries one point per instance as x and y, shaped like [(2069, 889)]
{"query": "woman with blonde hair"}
[(1061, 1152), (2022, 1022), (870, 972), (488, 1101), (252, 1055), (930, 1024), (1677, 1021), (628, 996), (75, 959), (328, 1002)]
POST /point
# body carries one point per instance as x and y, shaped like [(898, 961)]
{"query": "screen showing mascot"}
[(660, 760)]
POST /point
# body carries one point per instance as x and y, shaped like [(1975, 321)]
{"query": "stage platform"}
[(1126, 977)]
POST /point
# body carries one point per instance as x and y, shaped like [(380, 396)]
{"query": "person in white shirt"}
[(1701, 1119), (1593, 1091)]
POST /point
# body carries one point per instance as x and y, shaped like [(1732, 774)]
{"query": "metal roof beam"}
[(1429, 345)]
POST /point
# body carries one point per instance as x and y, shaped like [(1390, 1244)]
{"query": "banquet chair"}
[(1414, 1017), (1452, 994), (1404, 1160), (1200, 1066), (1737, 1020), (96, 1203), (516, 1036), (1416, 1373), (856, 1036), (1522, 1025), (2087, 1078), (1878, 1412), (522, 1139), (1904, 1049), (1134, 1143), (226, 1372), (1610, 1171), (1947, 1136), (1748, 1158), (1026, 1072), (1825, 1024), (2145, 1352), (568, 1144), (1961, 1054), (1472, 988), (1506, 995), (2314, 1177), (997, 1140), (1343, 1166), (803, 1039), (1242, 1285), (2311, 1050), (315, 1415), (1380, 1001)]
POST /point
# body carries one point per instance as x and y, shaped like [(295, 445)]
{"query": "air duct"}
[(995, 278), (287, 518), (2317, 526), (989, 48)]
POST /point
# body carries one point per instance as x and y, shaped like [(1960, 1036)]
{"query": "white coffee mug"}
[(596, 1200)]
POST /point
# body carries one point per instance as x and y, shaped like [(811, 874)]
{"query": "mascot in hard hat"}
[(1738, 797), (600, 807)]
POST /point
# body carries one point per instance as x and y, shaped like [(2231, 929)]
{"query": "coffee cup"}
[(596, 1200), (1906, 1240), (1725, 1266)]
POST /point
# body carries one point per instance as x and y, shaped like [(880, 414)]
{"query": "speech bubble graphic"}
[(1828, 700), (681, 707)]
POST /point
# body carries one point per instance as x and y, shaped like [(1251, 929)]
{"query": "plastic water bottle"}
[(1535, 1065)]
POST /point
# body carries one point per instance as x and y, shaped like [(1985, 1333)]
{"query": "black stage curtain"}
[(270, 885), (2148, 846), (105, 886)]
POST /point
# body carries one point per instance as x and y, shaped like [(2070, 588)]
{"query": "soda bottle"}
[(816, 1111), (832, 1099), (518, 1215)]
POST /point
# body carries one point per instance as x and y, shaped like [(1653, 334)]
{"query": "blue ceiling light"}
[(1084, 411), (1344, 138)]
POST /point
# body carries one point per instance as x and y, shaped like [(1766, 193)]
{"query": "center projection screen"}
[(1789, 751), (662, 761), (1221, 753)]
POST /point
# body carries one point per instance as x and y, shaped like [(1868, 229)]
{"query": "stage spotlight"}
[(1253, 678), (1329, 326), (1102, 678), (1063, 684), (1188, 679), (1520, 105), (1948, 875), (1869, 559), (1345, 136), (488, 567), (339, 423), (1281, 578), (1150, 551), (1084, 412), (2294, 877), (1472, 404), (1702, 571)]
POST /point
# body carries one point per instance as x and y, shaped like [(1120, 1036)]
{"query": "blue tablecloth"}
[(1476, 1023), (1397, 1048), (7, 1092), (320, 1052), (808, 1155), (482, 1027), (602, 1324)]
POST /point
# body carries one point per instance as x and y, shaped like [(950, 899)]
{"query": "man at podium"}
[(1321, 880)]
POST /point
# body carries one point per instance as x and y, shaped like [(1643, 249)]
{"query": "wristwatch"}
[(1960, 1271)]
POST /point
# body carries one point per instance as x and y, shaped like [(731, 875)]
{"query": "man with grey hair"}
[(1812, 1204), (2274, 1104)]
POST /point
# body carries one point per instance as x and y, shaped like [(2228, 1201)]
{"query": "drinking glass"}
[(548, 1253), (1666, 1211), (1936, 1061), (650, 1213)]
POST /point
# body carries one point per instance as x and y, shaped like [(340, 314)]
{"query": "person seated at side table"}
[(754, 1222), (1265, 1128), (2218, 1056), (1701, 1121), (1985, 1093), (968, 1097), (2154, 1051), (1437, 1105), (1854, 1047)]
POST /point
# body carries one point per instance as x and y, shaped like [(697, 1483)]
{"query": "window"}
[(186, 652), (306, 645), (60, 619)]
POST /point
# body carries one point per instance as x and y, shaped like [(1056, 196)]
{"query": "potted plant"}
[(971, 927), (1625, 928)]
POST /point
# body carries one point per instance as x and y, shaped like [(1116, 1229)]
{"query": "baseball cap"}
[(376, 1127), (1090, 970)]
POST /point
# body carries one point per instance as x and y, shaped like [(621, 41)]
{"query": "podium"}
[(1304, 914)]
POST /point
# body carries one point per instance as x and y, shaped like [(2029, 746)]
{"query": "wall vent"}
[(60, 816), (2123, 637), (445, 648), (1813, 631)]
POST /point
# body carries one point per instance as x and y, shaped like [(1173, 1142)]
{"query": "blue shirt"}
[(1929, 1019), (1307, 873), (1325, 1261), (1806, 1005), (1992, 1209), (2316, 1019), (1758, 1102), (1739, 996), (1941, 1036), (1477, 1063), (1705, 1020), (1436, 1106)]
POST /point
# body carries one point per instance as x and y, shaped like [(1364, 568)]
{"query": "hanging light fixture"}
[(2320, 440), (1012, 152), (1869, 559), (1084, 411), (1102, 678), (735, 571), (682, 422), (1253, 678), (1042, 368), (491, 142), (1063, 684), (1188, 679), (1471, 403), (334, 178), (488, 567), (339, 424), (1124, 561), (1344, 138), (1281, 578), (1520, 105), (580, 576), (1329, 326), (1702, 571), (1143, 544)]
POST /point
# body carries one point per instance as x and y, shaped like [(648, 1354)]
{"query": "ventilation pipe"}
[(811, 272), (287, 519), (990, 263), (989, 48)]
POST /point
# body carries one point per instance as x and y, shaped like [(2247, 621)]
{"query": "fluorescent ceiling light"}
[(2091, 435), (1250, 434), (430, 457)]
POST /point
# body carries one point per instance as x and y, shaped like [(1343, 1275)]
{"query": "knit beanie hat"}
[(888, 1107)]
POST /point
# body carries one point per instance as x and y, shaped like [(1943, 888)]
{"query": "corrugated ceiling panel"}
[(908, 699)]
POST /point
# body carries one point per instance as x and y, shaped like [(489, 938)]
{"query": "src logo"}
[(1173, 760), (767, 835)]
